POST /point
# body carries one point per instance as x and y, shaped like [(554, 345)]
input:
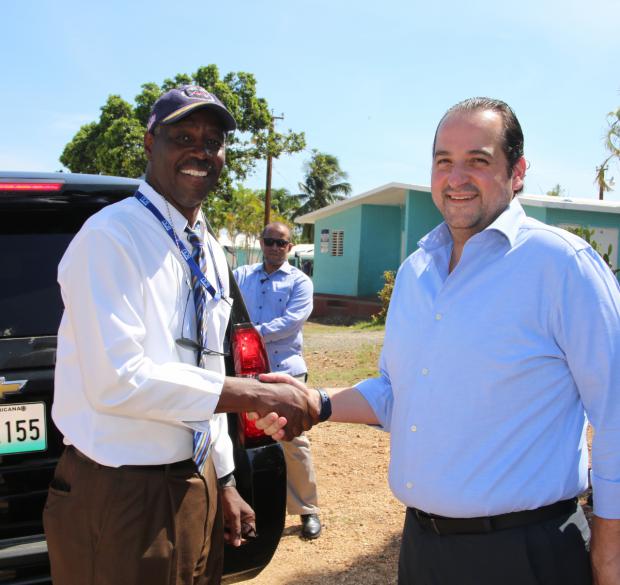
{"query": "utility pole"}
[(269, 157)]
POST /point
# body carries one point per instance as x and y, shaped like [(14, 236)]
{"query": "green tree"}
[(325, 183), (556, 191), (241, 214), (385, 295), (113, 144), (612, 145), (282, 203)]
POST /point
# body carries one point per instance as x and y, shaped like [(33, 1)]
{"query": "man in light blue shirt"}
[(502, 333), (278, 297)]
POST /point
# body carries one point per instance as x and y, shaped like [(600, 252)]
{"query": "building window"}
[(337, 242)]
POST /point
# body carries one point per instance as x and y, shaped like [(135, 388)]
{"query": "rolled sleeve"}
[(378, 393)]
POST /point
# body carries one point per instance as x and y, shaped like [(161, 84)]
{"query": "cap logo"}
[(194, 91)]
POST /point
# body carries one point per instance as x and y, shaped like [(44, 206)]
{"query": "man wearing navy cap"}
[(134, 499)]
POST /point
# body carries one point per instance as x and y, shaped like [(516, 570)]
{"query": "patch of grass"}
[(368, 326), (344, 367), (336, 325)]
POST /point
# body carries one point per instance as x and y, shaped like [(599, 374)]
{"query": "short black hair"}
[(513, 142)]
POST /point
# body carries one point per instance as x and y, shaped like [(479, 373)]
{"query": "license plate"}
[(22, 428)]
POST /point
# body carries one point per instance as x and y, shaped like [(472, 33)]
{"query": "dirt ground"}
[(361, 519)]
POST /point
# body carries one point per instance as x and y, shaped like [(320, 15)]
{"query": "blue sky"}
[(367, 81)]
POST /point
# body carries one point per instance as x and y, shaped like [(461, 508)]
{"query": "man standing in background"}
[(279, 299)]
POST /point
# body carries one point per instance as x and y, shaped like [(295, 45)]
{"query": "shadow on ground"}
[(379, 568)]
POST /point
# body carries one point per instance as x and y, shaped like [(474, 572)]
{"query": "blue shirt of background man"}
[(279, 303), (486, 371)]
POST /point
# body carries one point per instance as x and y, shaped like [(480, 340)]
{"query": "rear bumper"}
[(25, 551), (24, 561)]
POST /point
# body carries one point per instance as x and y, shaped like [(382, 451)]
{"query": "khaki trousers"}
[(302, 495), (133, 525)]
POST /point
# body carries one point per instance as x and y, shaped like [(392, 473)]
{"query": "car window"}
[(30, 302), (31, 246)]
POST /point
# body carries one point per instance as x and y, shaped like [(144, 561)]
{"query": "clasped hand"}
[(293, 413)]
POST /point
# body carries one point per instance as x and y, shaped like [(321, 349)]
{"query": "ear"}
[(518, 174), (148, 144)]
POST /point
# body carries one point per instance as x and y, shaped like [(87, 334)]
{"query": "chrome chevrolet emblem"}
[(11, 386)]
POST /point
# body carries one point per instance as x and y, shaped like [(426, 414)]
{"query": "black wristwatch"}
[(326, 405), (227, 480)]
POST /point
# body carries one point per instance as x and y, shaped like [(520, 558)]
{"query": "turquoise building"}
[(357, 239)]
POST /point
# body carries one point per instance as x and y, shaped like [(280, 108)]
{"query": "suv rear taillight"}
[(250, 358)]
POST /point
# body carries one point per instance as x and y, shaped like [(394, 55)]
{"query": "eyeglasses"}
[(277, 241), (191, 344)]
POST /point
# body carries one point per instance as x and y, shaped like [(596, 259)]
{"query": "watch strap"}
[(326, 405), (227, 480)]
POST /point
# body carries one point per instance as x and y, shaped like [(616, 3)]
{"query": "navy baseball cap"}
[(182, 101)]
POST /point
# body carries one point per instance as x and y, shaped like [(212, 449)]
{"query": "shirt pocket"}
[(278, 301)]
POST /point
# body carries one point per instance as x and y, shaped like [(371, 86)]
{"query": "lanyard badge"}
[(185, 253)]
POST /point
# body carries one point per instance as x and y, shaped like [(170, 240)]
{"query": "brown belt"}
[(444, 525), (177, 465)]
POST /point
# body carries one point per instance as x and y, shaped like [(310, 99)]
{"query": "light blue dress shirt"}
[(486, 372), (279, 303)]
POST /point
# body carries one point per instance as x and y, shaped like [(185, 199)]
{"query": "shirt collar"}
[(171, 213), (508, 223), (436, 238), (286, 268)]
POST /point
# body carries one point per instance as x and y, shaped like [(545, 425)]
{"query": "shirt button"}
[(425, 371), (409, 485), (275, 351), (263, 292), (413, 428), (438, 316), (260, 307)]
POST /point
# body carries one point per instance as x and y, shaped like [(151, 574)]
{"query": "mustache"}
[(466, 189)]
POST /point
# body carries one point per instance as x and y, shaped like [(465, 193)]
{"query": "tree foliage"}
[(556, 191), (325, 183), (612, 145), (385, 295), (282, 203), (113, 145), (241, 214)]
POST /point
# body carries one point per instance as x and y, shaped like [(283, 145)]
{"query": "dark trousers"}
[(159, 525), (554, 552)]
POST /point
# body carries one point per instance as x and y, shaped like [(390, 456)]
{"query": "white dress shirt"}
[(487, 372), (125, 391)]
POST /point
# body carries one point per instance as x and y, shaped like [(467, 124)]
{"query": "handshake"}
[(289, 416), (282, 406)]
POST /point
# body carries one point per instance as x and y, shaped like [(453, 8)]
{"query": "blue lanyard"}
[(193, 266)]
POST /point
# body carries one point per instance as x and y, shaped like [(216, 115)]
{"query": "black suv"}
[(40, 214)]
